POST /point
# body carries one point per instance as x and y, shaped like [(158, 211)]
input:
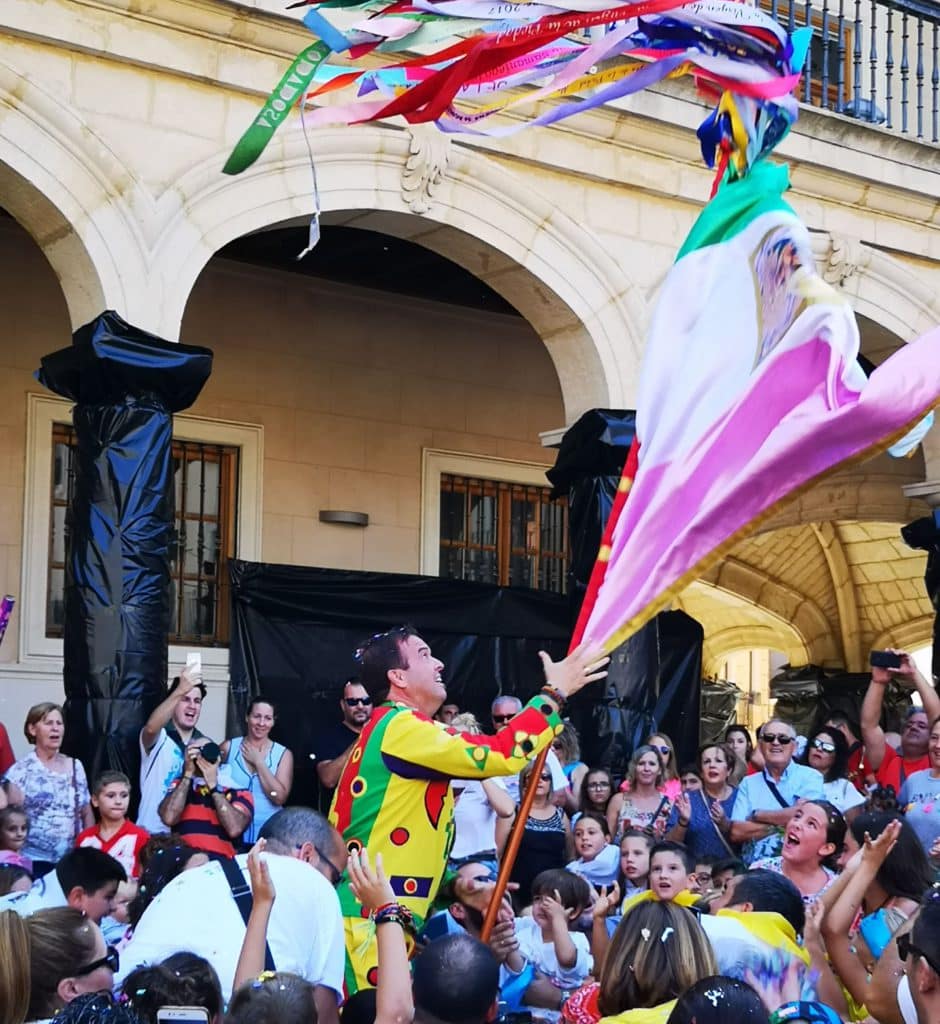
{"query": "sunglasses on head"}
[(399, 631), (111, 960), (354, 702), (781, 737), (825, 746)]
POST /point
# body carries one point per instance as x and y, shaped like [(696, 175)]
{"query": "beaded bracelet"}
[(556, 695), (395, 913)]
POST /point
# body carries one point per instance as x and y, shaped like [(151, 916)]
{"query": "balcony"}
[(875, 61)]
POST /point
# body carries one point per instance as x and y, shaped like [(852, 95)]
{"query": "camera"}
[(210, 752)]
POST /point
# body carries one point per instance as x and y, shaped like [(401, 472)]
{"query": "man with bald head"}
[(766, 801)]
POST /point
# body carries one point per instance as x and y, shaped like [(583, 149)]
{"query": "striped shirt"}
[(199, 824)]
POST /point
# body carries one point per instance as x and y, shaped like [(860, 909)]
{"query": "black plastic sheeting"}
[(654, 680), (719, 709), (924, 535), (654, 683), (808, 695), (294, 631), (126, 385), (587, 470)]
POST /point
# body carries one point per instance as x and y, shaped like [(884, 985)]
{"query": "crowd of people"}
[(777, 878)]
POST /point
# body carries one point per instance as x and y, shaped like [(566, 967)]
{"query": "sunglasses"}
[(906, 948), (598, 785), (354, 702), (781, 737), (111, 960), (825, 746), (399, 632), (504, 718), (662, 749), (335, 873), (546, 776)]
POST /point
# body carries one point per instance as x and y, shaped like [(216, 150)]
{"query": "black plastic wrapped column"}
[(126, 385), (654, 678)]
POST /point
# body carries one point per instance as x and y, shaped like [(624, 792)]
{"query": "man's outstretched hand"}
[(585, 664)]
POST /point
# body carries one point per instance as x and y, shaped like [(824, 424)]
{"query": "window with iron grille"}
[(204, 537), (506, 533)]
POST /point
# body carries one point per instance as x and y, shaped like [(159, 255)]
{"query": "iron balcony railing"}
[(872, 60)]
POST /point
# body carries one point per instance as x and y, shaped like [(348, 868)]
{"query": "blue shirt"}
[(798, 782), (702, 837)]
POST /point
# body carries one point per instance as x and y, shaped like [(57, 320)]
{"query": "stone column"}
[(126, 385)]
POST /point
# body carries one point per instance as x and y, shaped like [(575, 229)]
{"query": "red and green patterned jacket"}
[(394, 795)]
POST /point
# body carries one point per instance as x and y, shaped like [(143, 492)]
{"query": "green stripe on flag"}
[(738, 203), (288, 91)]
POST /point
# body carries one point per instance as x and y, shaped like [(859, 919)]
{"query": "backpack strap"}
[(241, 893)]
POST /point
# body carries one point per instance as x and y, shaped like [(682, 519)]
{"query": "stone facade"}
[(115, 120)]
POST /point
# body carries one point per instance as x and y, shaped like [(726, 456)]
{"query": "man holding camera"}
[(163, 740), (892, 767), (201, 809)]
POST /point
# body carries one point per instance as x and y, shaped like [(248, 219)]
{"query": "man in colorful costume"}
[(394, 794)]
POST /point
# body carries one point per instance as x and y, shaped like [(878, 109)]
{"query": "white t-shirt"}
[(603, 870), (158, 770), (474, 819), (842, 794), (541, 955), (196, 913)]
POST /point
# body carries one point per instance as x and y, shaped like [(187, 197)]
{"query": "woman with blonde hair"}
[(52, 789), (643, 805)]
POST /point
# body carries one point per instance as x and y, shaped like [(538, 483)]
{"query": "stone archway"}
[(68, 190), (560, 279)]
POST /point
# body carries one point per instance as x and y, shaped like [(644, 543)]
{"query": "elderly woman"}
[(702, 819), (52, 789)]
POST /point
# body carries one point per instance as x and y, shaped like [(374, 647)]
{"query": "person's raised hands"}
[(585, 664), (369, 886)]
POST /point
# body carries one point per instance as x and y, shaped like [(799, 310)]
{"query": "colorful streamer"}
[(488, 57)]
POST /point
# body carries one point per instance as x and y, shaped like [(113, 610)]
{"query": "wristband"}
[(683, 824), (395, 913), (555, 694)]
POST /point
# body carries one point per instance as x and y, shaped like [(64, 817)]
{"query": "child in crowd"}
[(672, 871), (14, 829), (116, 927), (598, 861), (14, 878), (114, 834), (546, 940), (703, 874), (635, 849), (690, 778), (724, 870)]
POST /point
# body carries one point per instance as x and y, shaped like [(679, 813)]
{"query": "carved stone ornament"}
[(844, 258), (428, 153)]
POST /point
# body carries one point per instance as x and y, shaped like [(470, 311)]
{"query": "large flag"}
[(750, 392)]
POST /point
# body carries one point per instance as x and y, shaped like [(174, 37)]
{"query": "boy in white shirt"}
[(546, 940)]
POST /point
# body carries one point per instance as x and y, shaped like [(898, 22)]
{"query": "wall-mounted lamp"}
[(344, 518)]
